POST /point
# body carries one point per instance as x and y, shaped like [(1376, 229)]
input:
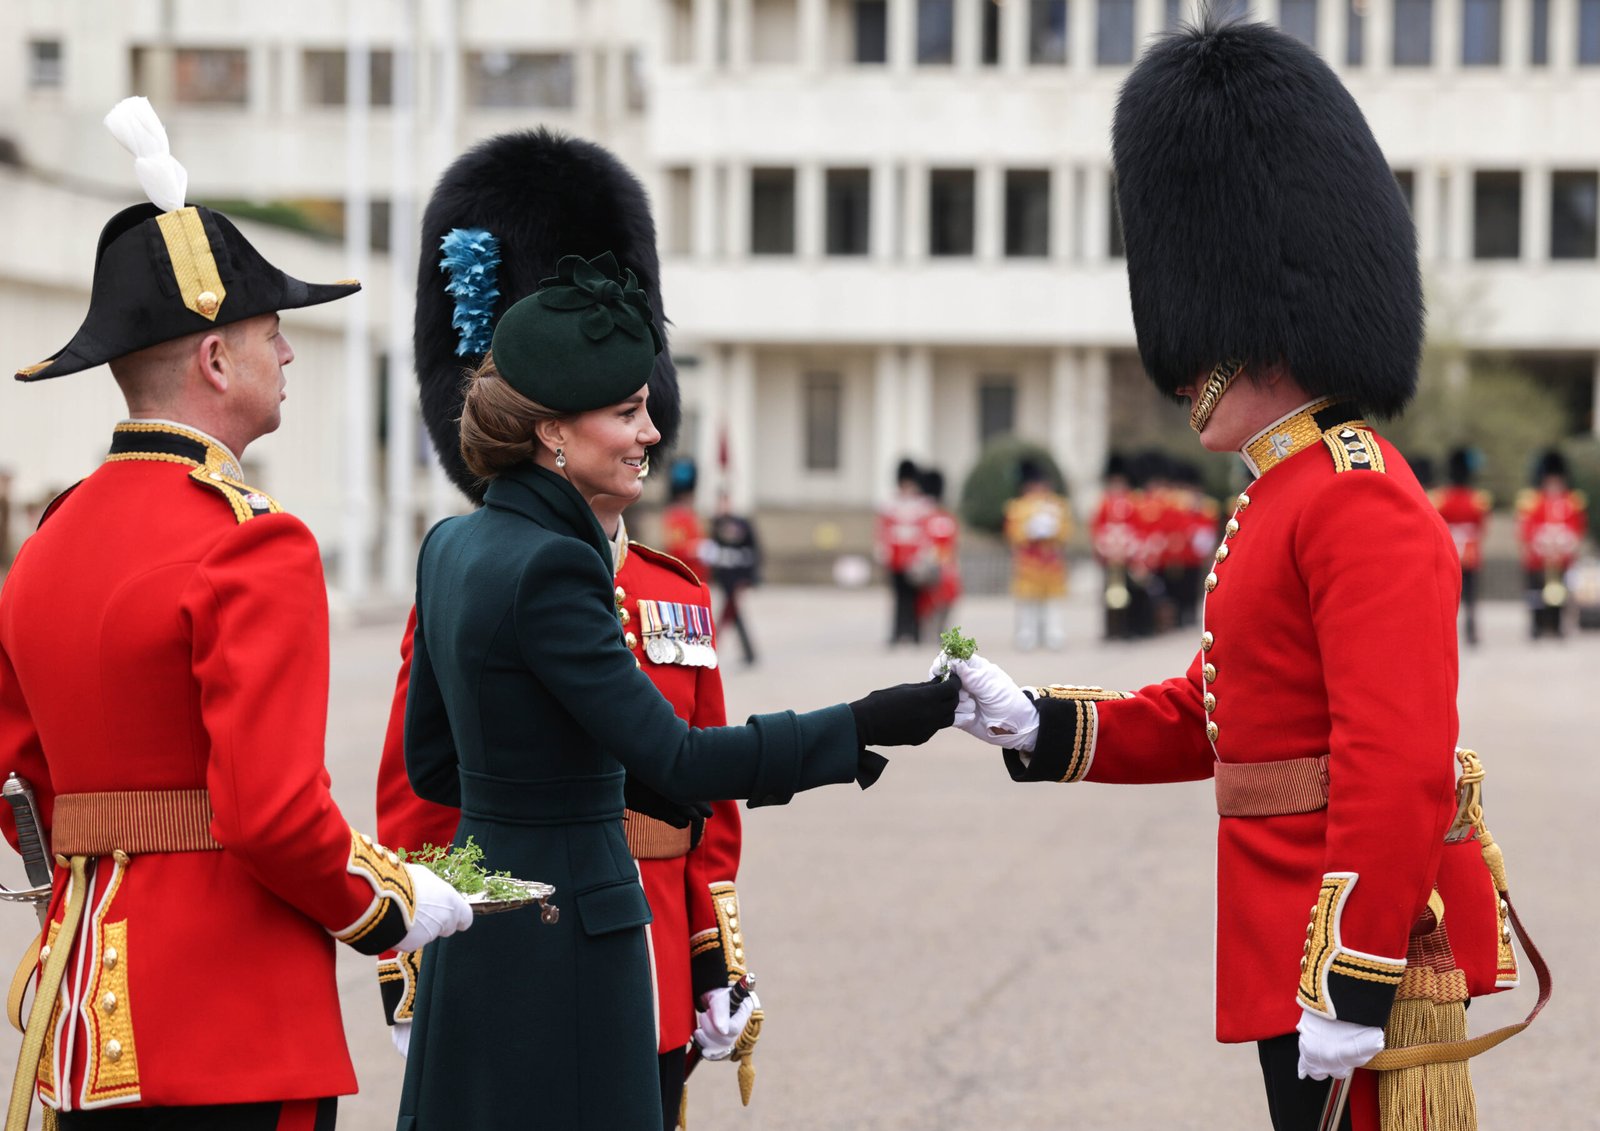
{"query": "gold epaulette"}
[(246, 501), (1354, 449), (1527, 499), (661, 557)]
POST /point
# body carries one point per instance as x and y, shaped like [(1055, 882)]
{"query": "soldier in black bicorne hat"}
[(1273, 274)]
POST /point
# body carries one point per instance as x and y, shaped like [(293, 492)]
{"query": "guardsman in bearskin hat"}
[(1038, 524), (163, 687), (1275, 288), (499, 219), (1465, 510), (1111, 530), (901, 541), (1551, 520)]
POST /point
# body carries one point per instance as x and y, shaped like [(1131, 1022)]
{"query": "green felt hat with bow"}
[(583, 340)]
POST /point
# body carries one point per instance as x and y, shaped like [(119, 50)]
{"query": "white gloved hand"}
[(991, 706), (441, 910), (400, 1034), (1334, 1048), (716, 1032)]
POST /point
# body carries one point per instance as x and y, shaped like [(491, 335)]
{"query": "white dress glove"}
[(716, 1031), (400, 1034), (1334, 1048), (991, 706), (440, 910)]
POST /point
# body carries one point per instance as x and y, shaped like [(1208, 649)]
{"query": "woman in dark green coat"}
[(525, 708)]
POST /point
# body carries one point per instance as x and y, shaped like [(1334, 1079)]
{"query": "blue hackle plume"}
[(471, 257)]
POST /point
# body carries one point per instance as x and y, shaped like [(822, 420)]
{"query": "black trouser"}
[(1294, 1104), (730, 615), (906, 625), (672, 1066), (207, 1117), (1546, 617), (1469, 602)]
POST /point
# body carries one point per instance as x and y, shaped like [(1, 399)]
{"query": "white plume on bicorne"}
[(133, 122)]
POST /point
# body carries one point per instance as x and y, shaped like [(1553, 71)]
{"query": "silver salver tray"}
[(529, 893)]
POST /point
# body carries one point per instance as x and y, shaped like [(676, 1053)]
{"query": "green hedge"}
[(993, 480)]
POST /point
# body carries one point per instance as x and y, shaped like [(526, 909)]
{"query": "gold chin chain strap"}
[(1211, 392), (44, 1000)]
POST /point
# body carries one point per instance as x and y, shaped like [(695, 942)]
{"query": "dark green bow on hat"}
[(583, 340)]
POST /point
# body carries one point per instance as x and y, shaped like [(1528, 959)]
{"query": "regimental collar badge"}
[(1292, 434)]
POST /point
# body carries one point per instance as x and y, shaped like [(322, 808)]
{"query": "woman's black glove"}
[(642, 799), (907, 715)]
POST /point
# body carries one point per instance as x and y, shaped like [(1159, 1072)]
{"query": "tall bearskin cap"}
[(1261, 222), (1551, 462), (1460, 467), (908, 472), (541, 195)]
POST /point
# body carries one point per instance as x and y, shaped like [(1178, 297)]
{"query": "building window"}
[(505, 79), (44, 64), (634, 81), (1047, 31), (679, 211), (1496, 215), (1027, 212), (952, 202), (824, 395), (1113, 32), (872, 31), (997, 408), (1413, 33), (324, 76), (1173, 15), (774, 32), (989, 48), (1588, 32), (772, 212), (848, 201), (1355, 33), (1299, 19), (203, 76), (936, 31), (1407, 180), (1115, 248), (1539, 33), (1573, 199), (1480, 33)]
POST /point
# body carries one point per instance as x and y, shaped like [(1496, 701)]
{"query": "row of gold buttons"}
[(1207, 638)]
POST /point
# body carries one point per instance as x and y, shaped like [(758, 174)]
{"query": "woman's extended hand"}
[(907, 715)]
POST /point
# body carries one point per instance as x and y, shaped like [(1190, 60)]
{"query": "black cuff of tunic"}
[(708, 971), (1360, 1001), (1054, 749)]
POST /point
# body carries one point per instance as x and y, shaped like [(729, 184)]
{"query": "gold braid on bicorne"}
[(1211, 392)]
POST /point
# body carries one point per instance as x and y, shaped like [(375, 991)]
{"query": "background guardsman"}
[(538, 195), (1038, 523), (1551, 520), (163, 687), (682, 533), (1112, 531), (1465, 510), (901, 544), (1274, 282), (936, 602)]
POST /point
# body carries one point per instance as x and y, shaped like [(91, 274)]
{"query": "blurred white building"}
[(886, 225)]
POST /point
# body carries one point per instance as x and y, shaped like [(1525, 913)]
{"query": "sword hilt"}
[(30, 833)]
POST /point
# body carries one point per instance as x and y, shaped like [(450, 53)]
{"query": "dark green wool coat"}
[(524, 708)]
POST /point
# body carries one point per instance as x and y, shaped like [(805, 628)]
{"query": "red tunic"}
[(1465, 511), (167, 629), (1550, 527), (1112, 528), (679, 888), (1330, 629)]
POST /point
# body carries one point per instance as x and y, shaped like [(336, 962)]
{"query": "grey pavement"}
[(952, 950)]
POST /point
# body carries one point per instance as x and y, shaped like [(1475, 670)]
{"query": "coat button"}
[(1210, 702), (113, 1049), (1222, 553), (1207, 640), (1232, 528), (631, 640), (110, 959), (1244, 502), (1211, 581), (206, 302), (1211, 731), (1210, 672), (44, 953), (622, 614), (109, 1002), (622, 594)]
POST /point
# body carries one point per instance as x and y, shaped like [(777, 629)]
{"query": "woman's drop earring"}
[(561, 458)]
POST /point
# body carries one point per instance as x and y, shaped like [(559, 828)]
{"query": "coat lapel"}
[(549, 500)]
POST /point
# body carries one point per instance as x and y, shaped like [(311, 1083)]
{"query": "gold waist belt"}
[(132, 821), (1272, 789), (650, 839)]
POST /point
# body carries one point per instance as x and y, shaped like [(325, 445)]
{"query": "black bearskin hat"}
[(1261, 222), (542, 195), (933, 484), (1551, 462), (1460, 469), (908, 472)]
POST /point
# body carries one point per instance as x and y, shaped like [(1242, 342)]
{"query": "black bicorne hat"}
[(161, 275), (542, 196), (1261, 222)]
